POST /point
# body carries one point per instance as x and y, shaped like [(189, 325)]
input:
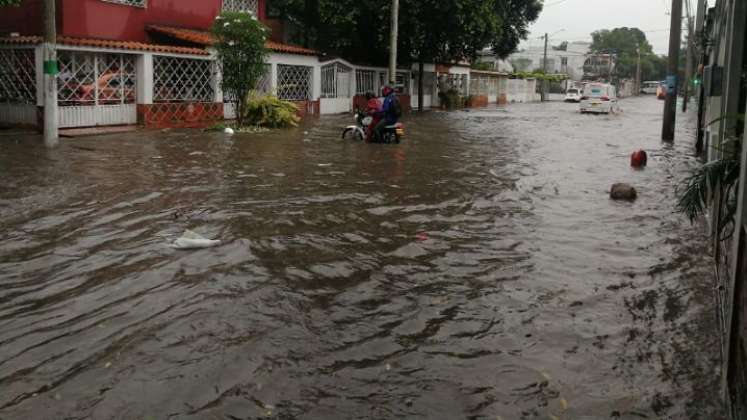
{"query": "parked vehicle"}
[(650, 88), (599, 98), (573, 95), (392, 133)]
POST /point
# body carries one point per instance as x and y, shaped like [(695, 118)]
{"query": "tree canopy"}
[(625, 43), (430, 30)]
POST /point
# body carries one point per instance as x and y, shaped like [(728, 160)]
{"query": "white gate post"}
[(144, 80), (216, 82), (39, 60), (316, 82), (274, 78)]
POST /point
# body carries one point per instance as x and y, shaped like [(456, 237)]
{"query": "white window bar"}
[(403, 83), (177, 79), (365, 82), (135, 3), (17, 76), (87, 79), (264, 86), (429, 79), (294, 82), (329, 82), (493, 86), (336, 79), (247, 6)]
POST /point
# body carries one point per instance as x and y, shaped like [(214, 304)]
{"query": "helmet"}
[(387, 90)]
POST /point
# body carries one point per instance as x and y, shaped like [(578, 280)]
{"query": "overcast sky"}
[(580, 18)]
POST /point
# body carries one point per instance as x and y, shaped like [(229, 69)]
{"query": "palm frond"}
[(699, 190)]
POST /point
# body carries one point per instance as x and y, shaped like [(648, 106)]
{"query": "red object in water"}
[(639, 159), (422, 237)]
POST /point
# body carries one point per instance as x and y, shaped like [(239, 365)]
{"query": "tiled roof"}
[(205, 38), (289, 49), (104, 43)]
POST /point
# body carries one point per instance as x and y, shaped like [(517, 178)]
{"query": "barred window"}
[(17, 76), (294, 82), (403, 83), (336, 79), (248, 6), (365, 82), (136, 3), (96, 79), (182, 80), (264, 85)]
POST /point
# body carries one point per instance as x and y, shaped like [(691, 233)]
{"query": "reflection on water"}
[(477, 270)]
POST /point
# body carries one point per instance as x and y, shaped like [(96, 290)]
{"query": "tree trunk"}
[(421, 66)]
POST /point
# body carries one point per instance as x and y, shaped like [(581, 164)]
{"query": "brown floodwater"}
[(476, 271)]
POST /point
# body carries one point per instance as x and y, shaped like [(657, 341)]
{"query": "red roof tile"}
[(104, 43), (206, 38), (290, 49)]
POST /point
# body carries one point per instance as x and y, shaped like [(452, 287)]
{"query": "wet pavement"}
[(477, 271)]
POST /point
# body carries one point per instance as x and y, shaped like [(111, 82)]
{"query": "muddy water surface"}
[(477, 271)]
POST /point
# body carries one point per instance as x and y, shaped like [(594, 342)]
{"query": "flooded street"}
[(477, 271)]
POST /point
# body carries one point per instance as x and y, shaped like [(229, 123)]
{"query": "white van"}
[(650, 88), (600, 98)]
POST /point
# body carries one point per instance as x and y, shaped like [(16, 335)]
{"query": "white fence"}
[(18, 90), (522, 90), (96, 89)]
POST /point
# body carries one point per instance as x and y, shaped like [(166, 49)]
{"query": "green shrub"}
[(269, 111)]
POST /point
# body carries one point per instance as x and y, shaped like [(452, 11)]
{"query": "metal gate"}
[(96, 89)]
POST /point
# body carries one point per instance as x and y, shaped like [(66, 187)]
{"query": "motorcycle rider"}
[(390, 112), (373, 110)]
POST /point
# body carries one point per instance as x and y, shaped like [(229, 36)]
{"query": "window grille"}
[(136, 3), (403, 83), (493, 86), (87, 79), (248, 6), (365, 82), (264, 86), (182, 80), (336, 79), (479, 85), (429, 79), (17, 76), (294, 82)]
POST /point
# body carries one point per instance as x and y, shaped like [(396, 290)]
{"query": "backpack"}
[(397, 107)]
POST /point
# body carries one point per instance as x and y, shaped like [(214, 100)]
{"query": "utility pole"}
[(670, 105), (51, 135), (544, 70), (689, 63), (638, 74), (393, 40)]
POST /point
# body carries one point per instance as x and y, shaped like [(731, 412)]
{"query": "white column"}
[(316, 83), (274, 78), (353, 82), (216, 82), (144, 68), (39, 60)]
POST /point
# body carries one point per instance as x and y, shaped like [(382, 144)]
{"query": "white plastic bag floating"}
[(192, 240)]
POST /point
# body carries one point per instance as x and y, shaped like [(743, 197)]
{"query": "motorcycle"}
[(392, 133)]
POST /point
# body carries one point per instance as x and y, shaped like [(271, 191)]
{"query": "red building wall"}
[(25, 20), (106, 20)]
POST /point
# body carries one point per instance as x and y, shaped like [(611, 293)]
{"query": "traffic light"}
[(697, 81)]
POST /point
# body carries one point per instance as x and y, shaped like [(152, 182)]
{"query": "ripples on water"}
[(476, 271)]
